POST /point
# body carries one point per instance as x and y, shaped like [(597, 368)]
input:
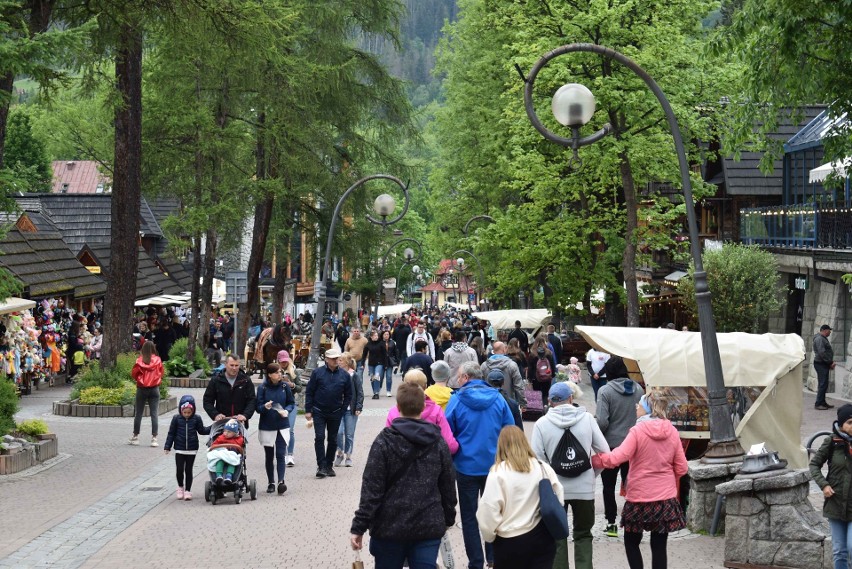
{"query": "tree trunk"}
[(7, 82), (629, 262), (613, 306), (206, 300), (194, 299), (281, 257), (262, 219), (126, 196)]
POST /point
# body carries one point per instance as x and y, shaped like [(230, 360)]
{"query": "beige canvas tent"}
[(772, 363), (505, 319)]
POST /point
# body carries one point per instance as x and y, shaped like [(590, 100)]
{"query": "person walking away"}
[(230, 393), (391, 362), (509, 513), (823, 364), (408, 496), (476, 415), (548, 432), (356, 345), (341, 335), (657, 462), (458, 354), (540, 370), (432, 413), (514, 353), (496, 380), (183, 434), (616, 414), (400, 338), (836, 485), (275, 403), (555, 342), (346, 432), (439, 392), (148, 373), (521, 336), (420, 360), (328, 394), (513, 384)]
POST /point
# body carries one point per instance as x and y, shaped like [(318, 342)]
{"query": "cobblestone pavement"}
[(103, 504)]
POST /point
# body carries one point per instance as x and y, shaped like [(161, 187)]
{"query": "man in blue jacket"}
[(328, 395), (476, 414)]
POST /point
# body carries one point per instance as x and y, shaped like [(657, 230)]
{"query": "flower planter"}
[(46, 449), (15, 462), (189, 382), (74, 409)]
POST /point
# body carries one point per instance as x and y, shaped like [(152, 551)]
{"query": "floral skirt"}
[(663, 516)]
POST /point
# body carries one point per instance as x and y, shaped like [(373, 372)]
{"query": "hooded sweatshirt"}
[(440, 394), (432, 413), (455, 357), (150, 374), (513, 383), (183, 432), (476, 415), (656, 460), (547, 433), (421, 503), (616, 411)]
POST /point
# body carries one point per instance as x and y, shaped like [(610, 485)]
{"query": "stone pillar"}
[(771, 523), (702, 493)]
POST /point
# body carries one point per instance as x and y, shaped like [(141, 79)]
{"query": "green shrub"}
[(8, 406), (32, 427), (179, 367), (124, 365), (107, 396), (178, 352)]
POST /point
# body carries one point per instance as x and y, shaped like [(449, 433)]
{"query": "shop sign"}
[(800, 283), (94, 270)]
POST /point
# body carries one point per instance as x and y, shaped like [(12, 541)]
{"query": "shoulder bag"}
[(552, 512)]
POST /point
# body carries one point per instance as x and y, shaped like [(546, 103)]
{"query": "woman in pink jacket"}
[(656, 464), (432, 413)]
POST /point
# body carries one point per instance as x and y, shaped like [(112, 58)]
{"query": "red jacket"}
[(148, 375), (223, 441)]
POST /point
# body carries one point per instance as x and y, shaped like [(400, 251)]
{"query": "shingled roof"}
[(176, 271), (46, 267), (150, 281), (743, 177)]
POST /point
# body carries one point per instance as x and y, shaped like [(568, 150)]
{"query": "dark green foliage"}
[(178, 352), (8, 406), (25, 155)]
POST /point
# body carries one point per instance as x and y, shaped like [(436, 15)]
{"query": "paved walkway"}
[(106, 504)]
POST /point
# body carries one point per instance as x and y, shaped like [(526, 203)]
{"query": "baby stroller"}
[(213, 491)]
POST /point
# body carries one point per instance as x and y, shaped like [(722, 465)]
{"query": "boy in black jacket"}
[(407, 510), (183, 434)]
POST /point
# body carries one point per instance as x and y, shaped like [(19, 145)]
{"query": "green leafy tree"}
[(25, 154), (743, 280)]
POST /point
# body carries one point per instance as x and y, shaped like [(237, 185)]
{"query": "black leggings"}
[(659, 556), (276, 455), (183, 464)]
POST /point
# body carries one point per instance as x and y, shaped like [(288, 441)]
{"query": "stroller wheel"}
[(253, 489), (213, 498), (238, 497), (208, 489)]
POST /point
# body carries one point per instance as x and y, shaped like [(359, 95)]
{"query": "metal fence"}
[(797, 226)]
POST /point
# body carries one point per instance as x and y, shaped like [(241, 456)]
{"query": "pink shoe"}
[(187, 496), (181, 494)]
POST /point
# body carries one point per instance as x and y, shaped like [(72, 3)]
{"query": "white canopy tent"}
[(839, 167), (773, 362), (164, 300), (459, 306), (505, 319), (14, 304), (394, 309)]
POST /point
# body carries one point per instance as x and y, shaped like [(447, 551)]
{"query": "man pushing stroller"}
[(226, 452)]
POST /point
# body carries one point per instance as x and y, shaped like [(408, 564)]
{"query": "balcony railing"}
[(797, 226)]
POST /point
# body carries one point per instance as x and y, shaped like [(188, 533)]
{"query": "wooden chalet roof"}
[(150, 281), (46, 267), (176, 271), (743, 177)]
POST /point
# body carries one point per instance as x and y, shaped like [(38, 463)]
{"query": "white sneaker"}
[(180, 493), (154, 441), (289, 460), (338, 460), (134, 440), (389, 394)]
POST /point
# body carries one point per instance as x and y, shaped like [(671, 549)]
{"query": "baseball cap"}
[(824, 327), (495, 376), (560, 392)]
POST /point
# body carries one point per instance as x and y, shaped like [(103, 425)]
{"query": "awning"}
[(837, 167), (675, 276), (394, 309), (505, 319), (14, 304), (164, 300)]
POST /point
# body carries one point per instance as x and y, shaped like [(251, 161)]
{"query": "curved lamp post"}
[(414, 269), (573, 106), (460, 262), (384, 207), (487, 218), (409, 258)]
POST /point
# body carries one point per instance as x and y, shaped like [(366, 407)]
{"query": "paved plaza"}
[(102, 503)]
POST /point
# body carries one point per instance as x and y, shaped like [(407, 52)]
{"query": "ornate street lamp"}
[(410, 257), (384, 206), (475, 218), (573, 106)]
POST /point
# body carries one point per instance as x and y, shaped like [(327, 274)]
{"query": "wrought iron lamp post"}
[(573, 106), (409, 256), (460, 262), (384, 207)]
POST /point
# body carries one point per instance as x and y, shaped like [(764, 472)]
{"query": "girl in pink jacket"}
[(432, 413), (657, 462)]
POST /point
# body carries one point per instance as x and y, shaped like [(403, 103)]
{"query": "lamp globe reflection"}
[(409, 253), (573, 105), (384, 205)]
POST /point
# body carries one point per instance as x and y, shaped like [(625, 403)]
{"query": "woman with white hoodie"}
[(580, 490)]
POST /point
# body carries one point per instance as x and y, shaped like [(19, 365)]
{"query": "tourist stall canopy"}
[(13, 304), (771, 363), (394, 309), (164, 300), (505, 319), (839, 167)]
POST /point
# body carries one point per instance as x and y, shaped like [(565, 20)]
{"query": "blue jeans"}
[(841, 541), (597, 384), (377, 371), (325, 427), (822, 370), (292, 443), (391, 554), (388, 377), (346, 433), (470, 489)]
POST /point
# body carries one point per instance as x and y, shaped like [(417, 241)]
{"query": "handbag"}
[(552, 512), (357, 564)]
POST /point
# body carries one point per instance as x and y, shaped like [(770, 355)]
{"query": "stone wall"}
[(703, 479), (770, 522)]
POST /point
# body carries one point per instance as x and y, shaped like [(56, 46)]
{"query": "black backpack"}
[(570, 458)]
